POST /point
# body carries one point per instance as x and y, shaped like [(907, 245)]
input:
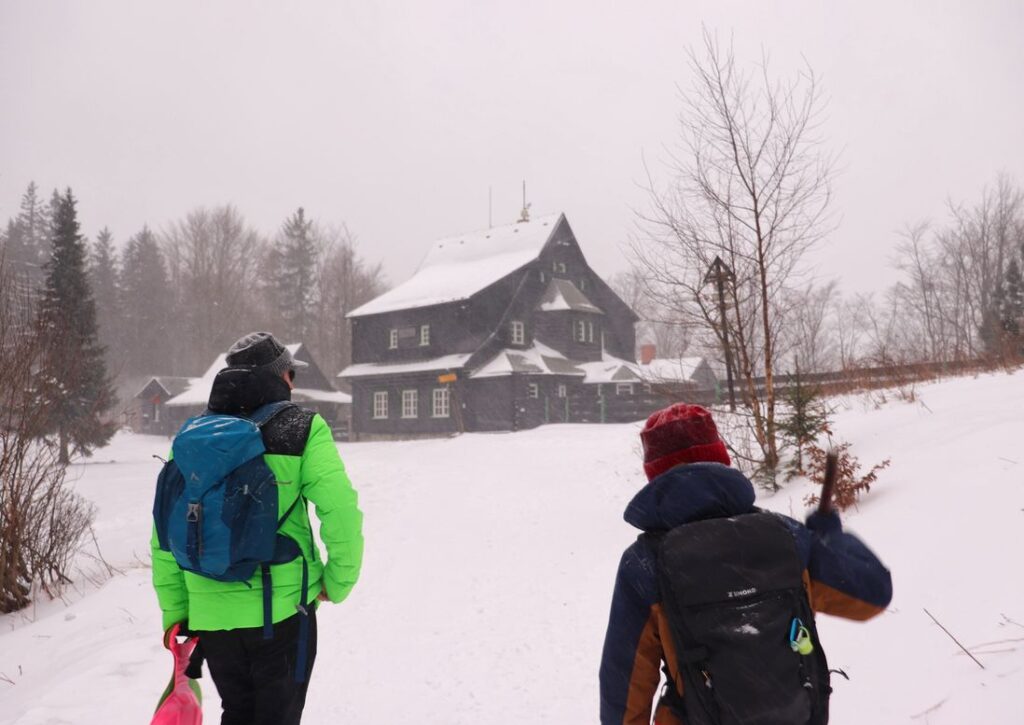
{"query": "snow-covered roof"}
[(198, 390), (309, 395), (458, 267), (609, 369), (445, 362), (561, 294), (171, 385), (670, 370), (538, 359)]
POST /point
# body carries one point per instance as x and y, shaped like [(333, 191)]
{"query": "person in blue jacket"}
[(690, 479)]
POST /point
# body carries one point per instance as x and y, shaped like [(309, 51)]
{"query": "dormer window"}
[(518, 332), (393, 339), (424, 335), (558, 267)]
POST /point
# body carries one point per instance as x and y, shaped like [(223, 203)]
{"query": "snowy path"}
[(489, 565)]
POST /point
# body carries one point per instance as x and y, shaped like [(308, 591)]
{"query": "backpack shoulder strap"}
[(263, 415)]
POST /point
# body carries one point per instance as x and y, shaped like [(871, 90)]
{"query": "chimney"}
[(647, 353)]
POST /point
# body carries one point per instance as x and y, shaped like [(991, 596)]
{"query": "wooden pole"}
[(829, 484)]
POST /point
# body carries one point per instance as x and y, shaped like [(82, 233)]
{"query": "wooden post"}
[(720, 272)]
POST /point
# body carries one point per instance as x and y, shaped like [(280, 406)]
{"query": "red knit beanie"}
[(681, 433)]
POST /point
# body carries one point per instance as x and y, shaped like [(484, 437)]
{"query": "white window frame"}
[(580, 331), (156, 412), (619, 387), (533, 391), (441, 407), (562, 390), (543, 277), (518, 332), (583, 285), (380, 405), (590, 331), (424, 335), (393, 339), (410, 404)]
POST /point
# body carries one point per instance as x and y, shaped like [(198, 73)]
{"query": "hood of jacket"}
[(691, 492), (241, 389)]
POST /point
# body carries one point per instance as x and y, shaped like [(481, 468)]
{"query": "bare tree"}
[(949, 299), (809, 336), (343, 281), (212, 257), (750, 185), (659, 325)]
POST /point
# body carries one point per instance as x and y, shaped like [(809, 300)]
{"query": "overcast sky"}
[(396, 118)]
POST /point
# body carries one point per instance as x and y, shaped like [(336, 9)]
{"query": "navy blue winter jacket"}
[(841, 574)]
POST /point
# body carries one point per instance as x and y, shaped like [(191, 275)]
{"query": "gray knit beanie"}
[(262, 350)]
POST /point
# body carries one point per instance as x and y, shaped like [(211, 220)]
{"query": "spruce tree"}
[(24, 242), (807, 419), (72, 382), (1011, 308), (33, 221), (146, 301), (105, 282), (296, 275)]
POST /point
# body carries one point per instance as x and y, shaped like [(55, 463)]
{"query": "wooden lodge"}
[(501, 329)]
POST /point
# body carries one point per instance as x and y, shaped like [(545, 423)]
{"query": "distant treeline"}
[(169, 300)]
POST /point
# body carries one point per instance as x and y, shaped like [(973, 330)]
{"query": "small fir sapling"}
[(849, 483), (808, 418)]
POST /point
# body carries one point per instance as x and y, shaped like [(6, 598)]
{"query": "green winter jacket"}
[(317, 474)]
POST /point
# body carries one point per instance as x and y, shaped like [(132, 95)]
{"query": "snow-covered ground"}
[(489, 567)]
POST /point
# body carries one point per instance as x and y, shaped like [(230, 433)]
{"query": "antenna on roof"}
[(524, 215)]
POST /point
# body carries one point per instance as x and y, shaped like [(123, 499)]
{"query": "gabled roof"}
[(458, 267), (538, 359), (198, 391), (561, 294), (169, 384), (670, 370), (609, 369)]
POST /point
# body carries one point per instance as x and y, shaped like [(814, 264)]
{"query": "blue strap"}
[(262, 415), (268, 603), (303, 607)]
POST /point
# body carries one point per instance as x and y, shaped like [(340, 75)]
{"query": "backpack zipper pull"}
[(194, 515)]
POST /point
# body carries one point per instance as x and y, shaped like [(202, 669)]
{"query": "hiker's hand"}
[(824, 523), (322, 596), (182, 628)]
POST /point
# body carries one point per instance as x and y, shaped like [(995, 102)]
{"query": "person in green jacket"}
[(256, 677)]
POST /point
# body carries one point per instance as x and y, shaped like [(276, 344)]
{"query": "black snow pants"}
[(255, 677)]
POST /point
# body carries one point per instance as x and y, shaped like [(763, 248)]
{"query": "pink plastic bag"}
[(181, 703)]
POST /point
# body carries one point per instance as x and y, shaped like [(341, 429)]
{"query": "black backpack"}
[(733, 593)]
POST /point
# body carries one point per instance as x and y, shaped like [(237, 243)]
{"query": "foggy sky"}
[(396, 118)]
